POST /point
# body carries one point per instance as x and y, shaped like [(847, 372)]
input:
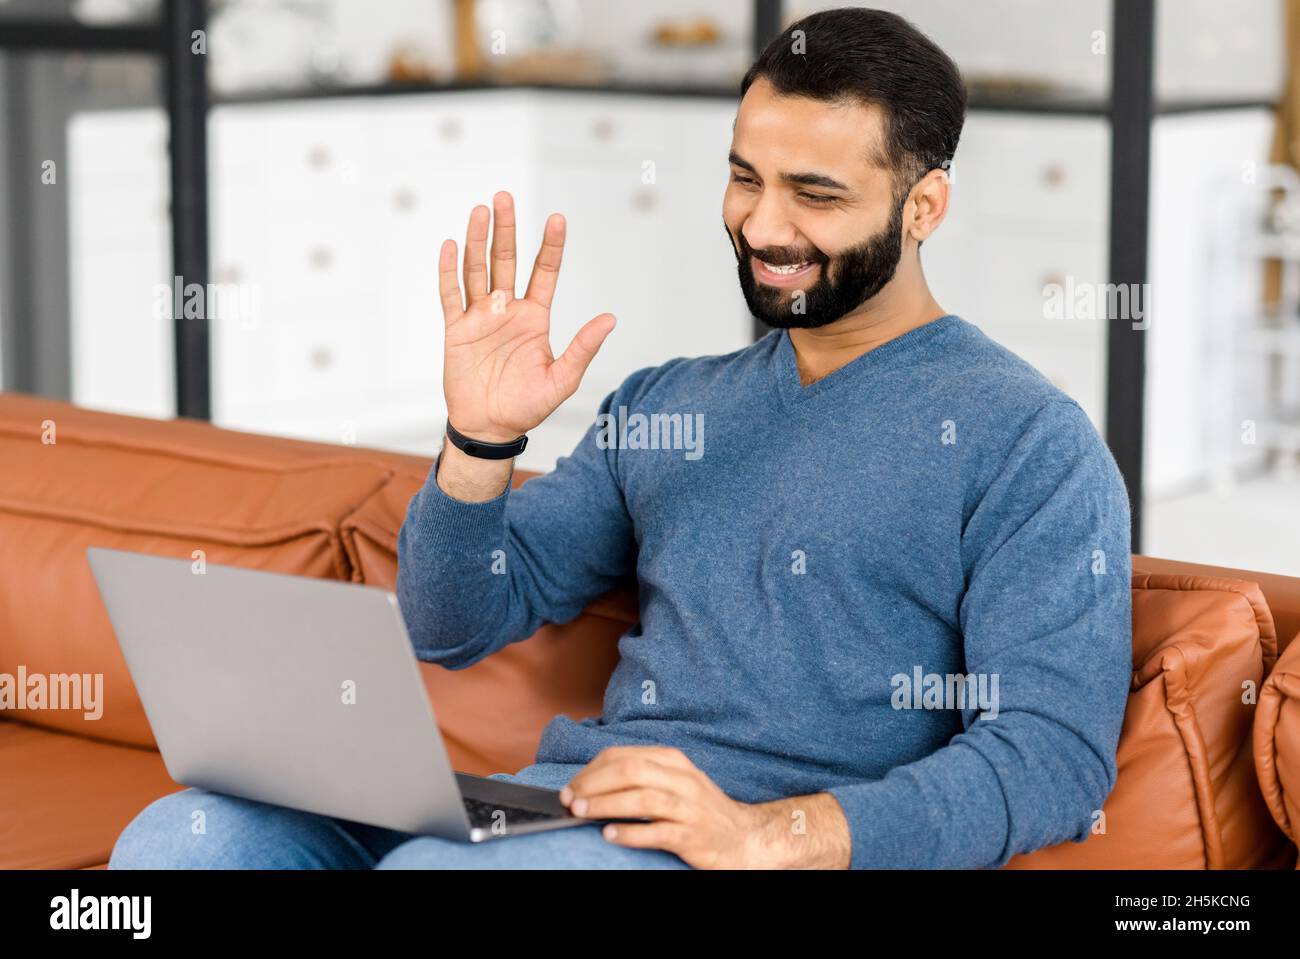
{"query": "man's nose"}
[(767, 225)]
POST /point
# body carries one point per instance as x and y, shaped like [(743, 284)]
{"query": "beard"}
[(844, 282)]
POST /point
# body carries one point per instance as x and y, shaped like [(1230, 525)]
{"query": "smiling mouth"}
[(782, 275)]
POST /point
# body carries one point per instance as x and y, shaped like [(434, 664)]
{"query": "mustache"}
[(777, 256)]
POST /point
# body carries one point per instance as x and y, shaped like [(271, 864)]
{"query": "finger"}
[(669, 836), (503, 244), (448, 289), (610, 754), (633, 773), (573, 362), (546, 271), (476, 234), (657, 804), (666, 755)]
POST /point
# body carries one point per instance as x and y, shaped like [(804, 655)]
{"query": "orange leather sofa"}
[(1209, 758)]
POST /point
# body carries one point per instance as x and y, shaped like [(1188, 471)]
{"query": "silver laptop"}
[(300, 692)]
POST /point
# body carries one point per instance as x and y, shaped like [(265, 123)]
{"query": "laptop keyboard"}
[(484, 815)]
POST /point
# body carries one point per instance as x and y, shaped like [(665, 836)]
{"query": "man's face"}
[(809, 189)]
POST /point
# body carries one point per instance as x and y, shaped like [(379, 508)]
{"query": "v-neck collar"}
[(785, 368)]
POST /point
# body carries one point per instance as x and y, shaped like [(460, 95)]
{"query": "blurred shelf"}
[(461, 86), (1088, 106), (35, 34), (1197, 105), (1029, 102), (1274, 246)]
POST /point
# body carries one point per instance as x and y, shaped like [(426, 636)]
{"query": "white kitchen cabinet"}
[(1029, 210), (1047, 173), (329, 214), (641, 187), (337, 223), (350, 201)]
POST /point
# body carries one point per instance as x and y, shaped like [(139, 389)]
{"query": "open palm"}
[(499, 375)]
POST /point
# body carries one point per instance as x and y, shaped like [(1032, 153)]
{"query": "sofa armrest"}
[(1277, 742)]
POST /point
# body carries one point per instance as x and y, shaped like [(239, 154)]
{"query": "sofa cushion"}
[(65, 799), (1281, 593), (1186, 796), (75, 478), (1277, 742), (492, 713)]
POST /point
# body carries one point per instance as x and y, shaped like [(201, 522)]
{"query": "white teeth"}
[(786, 269)]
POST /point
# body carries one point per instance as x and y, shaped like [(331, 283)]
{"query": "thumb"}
[(568, 370)]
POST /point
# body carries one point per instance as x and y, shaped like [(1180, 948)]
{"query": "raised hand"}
[(499, 375)]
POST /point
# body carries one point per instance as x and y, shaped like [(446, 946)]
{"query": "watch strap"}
[(482, 449)]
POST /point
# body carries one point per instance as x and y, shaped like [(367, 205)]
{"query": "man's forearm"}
[(804, 832), (446, 584), (470, 479)]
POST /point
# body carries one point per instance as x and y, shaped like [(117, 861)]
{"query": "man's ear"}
[(927, 206)]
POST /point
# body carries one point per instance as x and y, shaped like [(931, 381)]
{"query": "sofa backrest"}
[(72, 478), (1281, 593)]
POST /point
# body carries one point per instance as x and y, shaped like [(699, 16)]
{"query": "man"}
[(885, 613)]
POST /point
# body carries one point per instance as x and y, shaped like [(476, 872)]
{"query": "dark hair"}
[(876, 58)]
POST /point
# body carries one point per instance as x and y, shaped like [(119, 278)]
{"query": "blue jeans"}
[(243, 834)]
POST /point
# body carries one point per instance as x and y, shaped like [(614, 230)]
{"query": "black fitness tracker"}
[(482, 449)]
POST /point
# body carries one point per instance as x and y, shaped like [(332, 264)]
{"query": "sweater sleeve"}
[(474, 577), (1047, 614)]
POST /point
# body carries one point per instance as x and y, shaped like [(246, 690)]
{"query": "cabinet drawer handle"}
[(644, 200), (404, 200), (318, 156), (321, 358), (602, 129), (320, 257), (450, 130), (1054, 175)]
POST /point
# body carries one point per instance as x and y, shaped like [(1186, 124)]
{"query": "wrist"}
[(485, 434), (469, 479), (803, 832)]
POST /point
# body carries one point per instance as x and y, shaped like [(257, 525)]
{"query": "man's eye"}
[(737, 178), (818, 198)]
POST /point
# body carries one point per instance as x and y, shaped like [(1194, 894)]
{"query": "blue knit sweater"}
[(906, 584)]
